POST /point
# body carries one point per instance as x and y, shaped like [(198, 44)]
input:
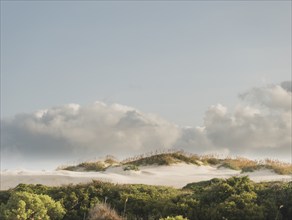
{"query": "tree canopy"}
[(233, 198), (25, 205)]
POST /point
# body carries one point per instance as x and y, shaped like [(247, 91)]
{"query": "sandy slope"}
[(177, 175)]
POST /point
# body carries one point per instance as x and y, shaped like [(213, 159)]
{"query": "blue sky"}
[(170, 58), (139, 73)]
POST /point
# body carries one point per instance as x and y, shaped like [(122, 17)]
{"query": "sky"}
[(92, 78)]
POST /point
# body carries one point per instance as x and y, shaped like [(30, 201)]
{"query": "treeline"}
[(233, 198)]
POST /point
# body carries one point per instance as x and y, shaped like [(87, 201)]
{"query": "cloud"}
[(287, 85), (73, 131), (274, 97), (260, 125)]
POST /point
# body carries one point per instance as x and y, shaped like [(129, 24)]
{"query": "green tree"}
[(25, 205), (240, 206)]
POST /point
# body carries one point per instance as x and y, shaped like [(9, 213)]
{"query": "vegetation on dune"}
[(87, 166), (240, 163), (164, 159), (131, 167), (211, 160), (93, 166), (110, 161), (246, 165), (173, 157), (278, 166), (233, 198)]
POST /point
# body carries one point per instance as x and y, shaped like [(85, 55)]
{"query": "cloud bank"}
[(260, 125)]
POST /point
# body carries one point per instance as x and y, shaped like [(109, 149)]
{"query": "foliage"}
[(165, 159), (103, 212), (131, 167), (25, 205), (240, 198), (233, 198), (87, 166), (169, 158), (212, 161)]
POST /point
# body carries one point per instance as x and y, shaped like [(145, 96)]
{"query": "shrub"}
[(87, 166), (103, 212), (233, 198), (131, 167), (165, 159), (251, 168), (213, 161), (95, 166)]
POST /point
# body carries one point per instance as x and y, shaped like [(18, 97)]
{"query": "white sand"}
[(177, 175)]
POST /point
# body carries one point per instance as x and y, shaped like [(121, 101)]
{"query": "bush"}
[(87, 166), (213, 161), (131, 167), (103, 212), (251, 168), (165, 159)]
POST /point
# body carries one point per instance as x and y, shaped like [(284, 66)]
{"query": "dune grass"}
[(247, 165), (239, 163), (87, 166), (164, 159), (111, 160), (173, 157), (278, 166)]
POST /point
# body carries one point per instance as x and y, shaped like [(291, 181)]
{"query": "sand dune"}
[(177, 175)]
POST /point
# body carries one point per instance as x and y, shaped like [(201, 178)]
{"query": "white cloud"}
[(72, 130), (259, 126), (274, 97)]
